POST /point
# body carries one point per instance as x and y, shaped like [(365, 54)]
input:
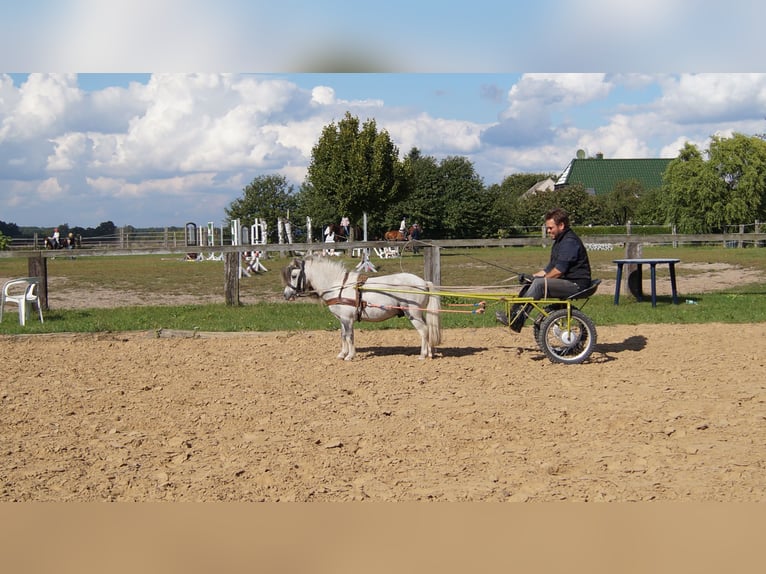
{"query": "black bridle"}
[(301, 283)]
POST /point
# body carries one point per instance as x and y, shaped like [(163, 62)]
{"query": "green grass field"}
[(150, 274)]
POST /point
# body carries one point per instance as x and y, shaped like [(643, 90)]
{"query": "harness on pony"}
[(357, 302)]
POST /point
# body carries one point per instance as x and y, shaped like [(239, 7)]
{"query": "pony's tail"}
[(433, 316)]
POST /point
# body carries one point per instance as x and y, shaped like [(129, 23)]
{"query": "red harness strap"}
[(341, 300), (356, 302)]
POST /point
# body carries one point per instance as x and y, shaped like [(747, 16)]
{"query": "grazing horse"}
[(354, 297), (394, 235)]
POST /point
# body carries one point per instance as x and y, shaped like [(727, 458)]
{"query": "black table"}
[(671, 263)]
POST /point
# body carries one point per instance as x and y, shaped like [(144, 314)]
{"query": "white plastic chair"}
[(22, 292)]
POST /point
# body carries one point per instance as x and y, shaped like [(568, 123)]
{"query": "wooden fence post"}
[(432, 270), (37, 266), (633, 250), (231, 277)]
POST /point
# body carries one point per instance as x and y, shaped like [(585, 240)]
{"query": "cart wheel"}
[(569, 345), (536, 326)]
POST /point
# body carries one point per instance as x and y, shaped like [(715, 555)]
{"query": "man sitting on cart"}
[(567, 272)]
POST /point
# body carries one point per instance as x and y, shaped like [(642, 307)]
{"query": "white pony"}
[(354, 297)]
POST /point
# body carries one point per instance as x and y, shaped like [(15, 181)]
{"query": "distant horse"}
[(354, 297), (394, 235), (340, 232)]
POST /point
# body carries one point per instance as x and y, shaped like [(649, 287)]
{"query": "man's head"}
[(556, 222)]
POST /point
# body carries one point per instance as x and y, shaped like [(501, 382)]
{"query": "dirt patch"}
[(660, 412)]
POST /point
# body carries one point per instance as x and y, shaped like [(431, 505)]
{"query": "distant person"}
[(567, 272), (345, 225), (415, 236), (403, 228), (54, 240)]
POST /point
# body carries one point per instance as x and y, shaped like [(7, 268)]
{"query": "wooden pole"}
[(432, 270), (37, 266), (231, 277)]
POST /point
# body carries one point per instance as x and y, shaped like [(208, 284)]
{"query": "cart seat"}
[(587, 292)]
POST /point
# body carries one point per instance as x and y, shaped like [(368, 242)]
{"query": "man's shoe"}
[(519, 317), (501, 317)]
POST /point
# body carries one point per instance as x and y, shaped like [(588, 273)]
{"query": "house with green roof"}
[(599, 175)]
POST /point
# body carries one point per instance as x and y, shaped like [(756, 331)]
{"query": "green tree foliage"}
[(422, 194), (104, 228), (267, 197), (4, 241), (463, 203), (728, 189), (508, 210), (740, 163), (446, 197), (356, 170), (622, 201), (582, 207), (9, 229), (652, 208), (310, 203)]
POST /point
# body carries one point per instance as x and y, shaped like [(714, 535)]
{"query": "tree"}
[(355, 170), (104, 228), (10, 229), (267, 197), (581, 206), (652, 208), (463, 203), (692, 191), (622, 201), (740, 163), (507, 211), (728, 189), (422, 194)]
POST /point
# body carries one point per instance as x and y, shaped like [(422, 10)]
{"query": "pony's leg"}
[(426, 350), (349, 340), (348, 351), (343, 344)]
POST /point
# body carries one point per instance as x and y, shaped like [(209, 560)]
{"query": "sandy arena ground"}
[(658, 413)]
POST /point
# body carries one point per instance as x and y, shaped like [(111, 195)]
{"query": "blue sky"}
[(512, 86)]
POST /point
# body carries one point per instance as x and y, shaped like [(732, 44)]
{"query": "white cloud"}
[(185, 186), (556, 90), (51, 189), (449, 137), (39, 105), (694, 98), (323, 96), (186, 143), (69, 148), (615, 140)]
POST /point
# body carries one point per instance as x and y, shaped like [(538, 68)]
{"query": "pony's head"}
[(294, 279), (305, 276)]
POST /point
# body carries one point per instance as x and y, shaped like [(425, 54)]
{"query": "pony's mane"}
[(323, 273), (337, 266)]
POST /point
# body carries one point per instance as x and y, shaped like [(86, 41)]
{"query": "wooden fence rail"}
[(37, 259)]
